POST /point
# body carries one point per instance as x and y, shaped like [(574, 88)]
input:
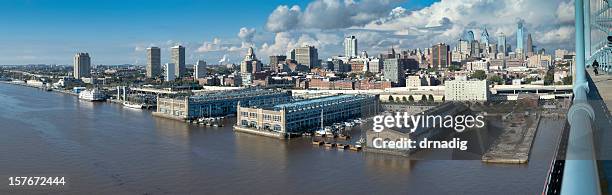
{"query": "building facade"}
[(153, 62), (307, 56), (82, 66), (464, 90), (178, 59), (169, 74), (199, 69), (440, 56), (305, 115), (350, 46), (220, 103)]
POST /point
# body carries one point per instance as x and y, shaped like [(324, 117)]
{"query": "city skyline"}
[(268, 30)]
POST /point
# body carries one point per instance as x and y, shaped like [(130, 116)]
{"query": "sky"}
[(119, 31)]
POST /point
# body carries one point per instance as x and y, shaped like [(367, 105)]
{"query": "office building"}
[(169, 72), (520, 37), (501, 43), (153, 62), (250, 63), (415, 81), (350, 47), (440, 56), (464, 90), (218, 103), (178, 59), (307, 56), (394, 71), (82, 66), (529, 45), (199, 70), (275, 61), (294, 118)]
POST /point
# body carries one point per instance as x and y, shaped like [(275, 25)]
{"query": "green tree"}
[(410, 99), (479, 74), (430, 98), (454, 68), (423, 98), (496, 79), (404, 99), (391, 98), (369, 74)]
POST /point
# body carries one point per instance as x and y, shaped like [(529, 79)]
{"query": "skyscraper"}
[(199, 69), (484, 36), (529, 45), (307, 56), (350, 46), (501, 43), (153, 62), (82, 65), (519, 37), (439, 55), (178, 59)]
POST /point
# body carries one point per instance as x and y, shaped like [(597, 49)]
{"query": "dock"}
[(514, 145)]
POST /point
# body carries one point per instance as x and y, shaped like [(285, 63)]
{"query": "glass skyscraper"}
[(520, 34)]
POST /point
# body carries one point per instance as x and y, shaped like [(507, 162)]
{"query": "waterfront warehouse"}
[(300, 116), (219, 103)]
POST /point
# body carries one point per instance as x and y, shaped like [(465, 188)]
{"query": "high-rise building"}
[(519, 37), (153, 62), (484, 36), (199, 69), (250, 63), (169, 74), (291, 54), (469, 36), (307, 56), (350, 46), (440, 55), (394, 71), (178, 58), (275, 61), (529, 45), (82, 65), (501, 43)]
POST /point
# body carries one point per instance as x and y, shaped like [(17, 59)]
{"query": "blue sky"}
[(115, 31)]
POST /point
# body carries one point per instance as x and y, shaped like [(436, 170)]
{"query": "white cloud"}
[(246, 34), (283, 18), (561, 34), (328, 14)]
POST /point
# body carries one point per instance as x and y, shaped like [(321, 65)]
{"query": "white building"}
[(82, 65), (350, 46), (415, 81), (169, 69), (460, 90), (199, 69), (478, 65)]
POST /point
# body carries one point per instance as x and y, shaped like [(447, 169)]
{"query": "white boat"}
[(92, 95), (134, 106)]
